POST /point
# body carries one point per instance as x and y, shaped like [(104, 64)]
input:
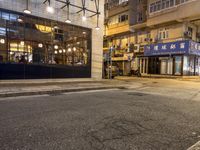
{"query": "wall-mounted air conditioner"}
[(148, 39), (137, 48), (187, 34), (125, 3)]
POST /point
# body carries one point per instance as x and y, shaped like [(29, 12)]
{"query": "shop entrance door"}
[(178, 65), (143, 65), (154, 65), (163, 66), (166, 66)]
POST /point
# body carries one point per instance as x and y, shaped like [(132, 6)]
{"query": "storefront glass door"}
[(166, 66), (178, 65), (143, 65), (163, 66)]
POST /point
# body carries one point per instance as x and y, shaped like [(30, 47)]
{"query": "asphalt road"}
[(124, 119)]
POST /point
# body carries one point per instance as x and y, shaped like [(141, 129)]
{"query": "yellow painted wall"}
[(117, 28), (174, 32)]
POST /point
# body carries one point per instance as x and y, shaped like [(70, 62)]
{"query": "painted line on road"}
[(196, 146)]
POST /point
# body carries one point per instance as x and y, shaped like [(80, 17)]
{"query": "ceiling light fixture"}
[(82, 9), (84, 18), (98, 13), (97, 28), (19, 20), (68, 21), (55, 26), (55, 46), (22, 43), (69, 50), (60, 51), (27, 11), (40, 45), (67, 4), (49, 8), (2, 41)]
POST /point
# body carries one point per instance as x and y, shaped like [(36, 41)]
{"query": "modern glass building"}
[(34, 47)]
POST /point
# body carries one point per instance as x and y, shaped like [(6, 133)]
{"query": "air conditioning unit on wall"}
[(137, 48), (125, 3), (148, 39), (156, 39), (188, 34), (198, 35)]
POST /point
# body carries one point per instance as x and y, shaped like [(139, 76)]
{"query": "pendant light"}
[(97, 27), (68, 19), (84, 18), (27, 11), (98, 13), (49, 8)]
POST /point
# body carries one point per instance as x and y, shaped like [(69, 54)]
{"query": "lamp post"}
[(110, 62)]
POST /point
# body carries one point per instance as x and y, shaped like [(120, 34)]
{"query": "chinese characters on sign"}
[(194, 48), (179, 47)]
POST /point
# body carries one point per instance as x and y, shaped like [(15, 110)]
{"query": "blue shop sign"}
[(179, 47), (194, 48)]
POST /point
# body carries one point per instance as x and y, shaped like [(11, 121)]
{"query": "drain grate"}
[(55, 93), (137, 94)]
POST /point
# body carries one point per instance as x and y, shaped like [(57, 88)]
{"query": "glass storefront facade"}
[(33, 47), (175, 65), (174, 58)]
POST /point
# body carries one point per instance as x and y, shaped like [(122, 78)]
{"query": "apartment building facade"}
[(120, 15), (174, 37), (158, 36)]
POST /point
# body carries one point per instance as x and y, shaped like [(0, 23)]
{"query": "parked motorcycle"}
[(135, 73)]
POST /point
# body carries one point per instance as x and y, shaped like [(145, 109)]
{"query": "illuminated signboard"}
[(178, 47)]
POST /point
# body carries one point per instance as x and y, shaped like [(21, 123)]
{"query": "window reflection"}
[(32, 40)]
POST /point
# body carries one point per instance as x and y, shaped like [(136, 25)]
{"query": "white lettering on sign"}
[(182, 45), (156, 47), (196, 46), (199, 47), (164, 47), (173, 46)]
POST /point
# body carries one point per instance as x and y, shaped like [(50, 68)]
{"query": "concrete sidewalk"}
[(184, 78), (11, 88), (47, 81)]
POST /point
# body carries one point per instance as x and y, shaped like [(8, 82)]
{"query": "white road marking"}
[(196, 146)]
